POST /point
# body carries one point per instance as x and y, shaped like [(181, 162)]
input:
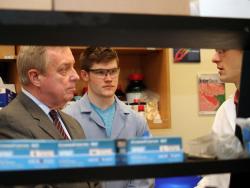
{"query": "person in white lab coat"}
[(229, 64)]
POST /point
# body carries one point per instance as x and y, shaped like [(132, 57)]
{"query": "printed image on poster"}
[(211, 92), (186, 55)]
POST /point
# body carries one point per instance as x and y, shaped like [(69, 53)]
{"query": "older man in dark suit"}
[(48, 80)]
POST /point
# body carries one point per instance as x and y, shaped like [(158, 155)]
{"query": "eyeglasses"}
[(102, 73)]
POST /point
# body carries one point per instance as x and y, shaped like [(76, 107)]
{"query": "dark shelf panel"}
[(125, 172), (128, 30), (7, 60)]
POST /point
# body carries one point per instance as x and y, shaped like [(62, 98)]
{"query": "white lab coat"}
[(224, 123)]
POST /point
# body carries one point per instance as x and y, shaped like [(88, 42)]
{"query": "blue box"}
[(6, 96), (86, 153), (121, 151), (154, 150), (27, 154)]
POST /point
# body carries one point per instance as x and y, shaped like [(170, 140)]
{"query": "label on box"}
[(27, 154), (154, 150), (80, 153)]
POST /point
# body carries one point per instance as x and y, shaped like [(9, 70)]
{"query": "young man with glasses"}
[(100, 113)]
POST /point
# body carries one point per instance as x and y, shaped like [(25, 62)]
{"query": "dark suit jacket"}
[(23, 119)]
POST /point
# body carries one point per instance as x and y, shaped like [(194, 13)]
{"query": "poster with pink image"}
[(211, 93)]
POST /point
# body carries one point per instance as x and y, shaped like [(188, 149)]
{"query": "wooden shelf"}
[(121, 50)]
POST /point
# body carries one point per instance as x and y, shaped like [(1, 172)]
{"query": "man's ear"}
[(35, 77), (84, 75)]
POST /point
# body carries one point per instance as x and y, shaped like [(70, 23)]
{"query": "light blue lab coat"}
[(126, 124)]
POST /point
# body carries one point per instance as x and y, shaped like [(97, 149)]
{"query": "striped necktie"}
[(54, 115)]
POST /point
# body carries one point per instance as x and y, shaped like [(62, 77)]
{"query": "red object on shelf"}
[(140, 108), (136, 76)]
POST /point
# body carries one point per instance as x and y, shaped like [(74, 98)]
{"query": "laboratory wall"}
[(185, 119)]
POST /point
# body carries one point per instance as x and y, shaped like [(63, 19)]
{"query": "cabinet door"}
[(8, 71), (7, 52)]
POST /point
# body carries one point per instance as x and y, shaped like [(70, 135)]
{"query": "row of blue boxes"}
[(51, 154)]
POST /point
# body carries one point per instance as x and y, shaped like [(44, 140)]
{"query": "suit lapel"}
[(72, 126), (71, 129), (47, 126), (38, 114)]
